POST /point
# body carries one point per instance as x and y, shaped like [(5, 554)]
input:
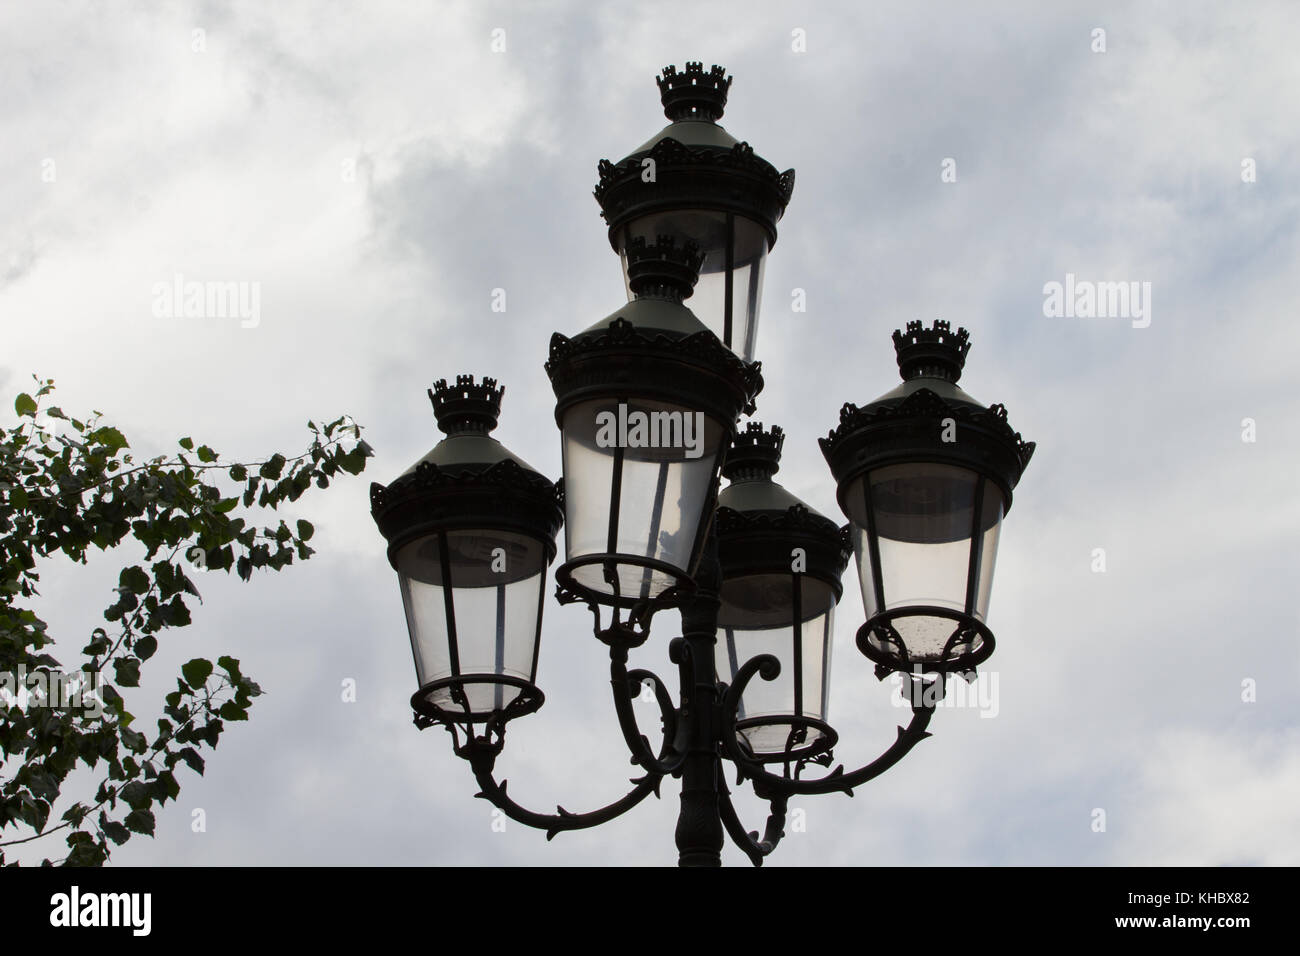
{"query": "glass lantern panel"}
[(756, 618), (924, 521), (991, 525), (496, 580), (662, 459), (734, 250)]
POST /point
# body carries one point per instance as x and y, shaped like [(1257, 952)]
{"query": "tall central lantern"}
[(695, 181)]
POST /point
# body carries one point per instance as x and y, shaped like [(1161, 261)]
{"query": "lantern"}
[(781, 564), (925, 475), (694, 181), (471, 531)]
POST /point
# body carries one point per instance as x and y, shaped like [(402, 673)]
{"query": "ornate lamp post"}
[(648, 402)]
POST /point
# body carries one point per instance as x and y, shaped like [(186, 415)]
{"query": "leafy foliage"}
[(68, 485)]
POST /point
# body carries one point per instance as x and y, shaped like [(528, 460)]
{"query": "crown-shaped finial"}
[(694, 94), (936, 352), (663, 269), (466, 408), (754, 453)]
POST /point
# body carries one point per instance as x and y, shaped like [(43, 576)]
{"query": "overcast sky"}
[(378, 170)]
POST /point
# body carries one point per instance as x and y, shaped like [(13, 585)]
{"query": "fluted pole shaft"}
[(699, 824)]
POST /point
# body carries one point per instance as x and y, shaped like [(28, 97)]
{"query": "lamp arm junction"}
[(769, 785), (481, 752), (676, 732)]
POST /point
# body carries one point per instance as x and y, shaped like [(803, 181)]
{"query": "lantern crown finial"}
[(663, 269), (694, 94), (936, 352), (466, 407), (755, 453)]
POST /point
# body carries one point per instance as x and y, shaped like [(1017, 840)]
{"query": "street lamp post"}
[(648, 402)]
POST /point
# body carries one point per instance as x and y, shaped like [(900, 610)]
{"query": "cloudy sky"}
[(378, 170)]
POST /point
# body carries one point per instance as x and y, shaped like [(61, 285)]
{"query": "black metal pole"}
[(699, 824)]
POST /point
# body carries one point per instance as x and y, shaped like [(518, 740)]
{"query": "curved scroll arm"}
[(755, 847), (768, 785), (482, 760), (676, 732)]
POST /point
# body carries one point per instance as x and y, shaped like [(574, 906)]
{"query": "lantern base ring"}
[(671, 596), (796, 746), (970, 643), (529, 699)]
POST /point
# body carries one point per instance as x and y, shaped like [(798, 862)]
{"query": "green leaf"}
[(232, 711), (192, 759), (134, 579), (354, 462), (141, 821), (305, 530), (196, 672), (33, 812), (238, 472), (115, 831), (127, 671), (186, 443), (43, 785), (109, 437), (231, 666), (272, 468), (176, 614), (206, 454), (146, 647), (166, 786), (98, 643), (136, 795), (24, 404)]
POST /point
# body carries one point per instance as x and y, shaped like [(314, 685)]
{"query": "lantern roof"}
[(469, 479), (654, 346), (696, 163), (759, 521), (927, 418)]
